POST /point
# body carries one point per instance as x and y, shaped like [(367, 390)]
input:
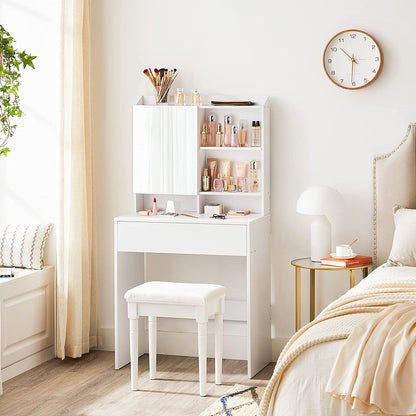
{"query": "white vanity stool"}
[(176, 300)]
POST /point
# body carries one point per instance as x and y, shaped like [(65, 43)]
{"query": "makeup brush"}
[(162, 79), (151, 73), (147, 73), (157, 72), (168, 85), (152, 76)]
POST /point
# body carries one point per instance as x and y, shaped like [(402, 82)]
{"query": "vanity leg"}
[(365, 272), (352, 278), (312, 295), (134, 352), (297, 274)]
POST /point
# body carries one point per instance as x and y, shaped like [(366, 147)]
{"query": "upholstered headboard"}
[(394, 182)]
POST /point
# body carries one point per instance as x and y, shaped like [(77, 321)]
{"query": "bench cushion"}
[(174, 293)]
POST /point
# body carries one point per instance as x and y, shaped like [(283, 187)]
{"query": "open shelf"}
[(230, 193), (239, 149)]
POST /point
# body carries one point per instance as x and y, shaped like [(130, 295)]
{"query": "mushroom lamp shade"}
[(320, 202)]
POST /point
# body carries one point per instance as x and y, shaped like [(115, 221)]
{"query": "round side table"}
[(312, 266)]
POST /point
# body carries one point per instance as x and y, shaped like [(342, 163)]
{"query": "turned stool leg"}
[(152, 346), (134, 352), (202, 354), (218, 347)]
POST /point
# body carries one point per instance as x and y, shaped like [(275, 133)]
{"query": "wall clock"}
[(352, 59)]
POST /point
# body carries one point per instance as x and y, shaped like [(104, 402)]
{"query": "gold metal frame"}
[(312, 269)]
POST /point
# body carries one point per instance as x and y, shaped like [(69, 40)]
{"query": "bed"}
[(300, 379)]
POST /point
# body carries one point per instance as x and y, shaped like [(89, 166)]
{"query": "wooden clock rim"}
[(381, 59)]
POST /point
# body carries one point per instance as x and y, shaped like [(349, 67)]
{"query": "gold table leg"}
[(312, 295), (297, 273), (352, 278), (365, 272)]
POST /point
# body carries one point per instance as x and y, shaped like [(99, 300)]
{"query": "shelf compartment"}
[(234, 149), (241, 194)]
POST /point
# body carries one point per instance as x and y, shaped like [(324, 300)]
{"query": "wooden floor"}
[(91, 386)]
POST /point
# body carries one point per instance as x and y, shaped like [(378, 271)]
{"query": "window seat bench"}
[(27, 336)]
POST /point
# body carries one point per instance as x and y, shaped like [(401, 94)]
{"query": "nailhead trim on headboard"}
[(375, 159)]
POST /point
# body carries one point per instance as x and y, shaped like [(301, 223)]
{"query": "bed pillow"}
[(403, 251), (21, 245)]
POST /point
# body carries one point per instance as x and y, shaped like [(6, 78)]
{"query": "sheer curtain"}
[(77, 306)]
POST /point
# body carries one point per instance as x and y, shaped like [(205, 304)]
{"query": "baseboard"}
[(27, 363), (277, 347), (107, 336)]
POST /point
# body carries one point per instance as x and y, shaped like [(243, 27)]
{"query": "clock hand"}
[(346, 53), (352, 68)]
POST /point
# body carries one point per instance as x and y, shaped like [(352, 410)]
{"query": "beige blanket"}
[(375, 370), (338, 320)]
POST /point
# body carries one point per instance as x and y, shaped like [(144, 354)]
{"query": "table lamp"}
[(321, 202)]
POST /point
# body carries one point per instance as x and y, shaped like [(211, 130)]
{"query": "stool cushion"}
[(174, 293)]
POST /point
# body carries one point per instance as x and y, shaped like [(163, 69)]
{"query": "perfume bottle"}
[(180, 97), (255, 134), (234, 136), (219, 137), (212, 129), (227, 130), (240, 184), (218, 184), (231, 187), (242, 134), (258, 133), (254, 181), (205, 181), (196, 97), (204, 135), (246, 186)]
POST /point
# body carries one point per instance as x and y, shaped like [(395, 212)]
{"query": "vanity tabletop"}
[(182, 219)]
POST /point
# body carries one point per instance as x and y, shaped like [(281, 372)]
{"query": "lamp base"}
[(320, 238)]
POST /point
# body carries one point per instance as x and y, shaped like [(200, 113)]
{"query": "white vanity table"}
[(167, 164)]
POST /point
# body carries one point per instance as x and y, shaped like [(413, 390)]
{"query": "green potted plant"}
[(11, 62)]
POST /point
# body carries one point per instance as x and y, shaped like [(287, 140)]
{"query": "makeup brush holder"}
[(161, 95)]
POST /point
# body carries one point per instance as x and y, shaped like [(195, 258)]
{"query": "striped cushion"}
[(21, 245)]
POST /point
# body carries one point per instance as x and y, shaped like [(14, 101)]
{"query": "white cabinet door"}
[(165, 149)]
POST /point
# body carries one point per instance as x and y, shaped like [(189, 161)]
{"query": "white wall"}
[(321, 134), (28, 175)]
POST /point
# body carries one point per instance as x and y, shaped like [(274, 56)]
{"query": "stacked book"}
[(356, 261)]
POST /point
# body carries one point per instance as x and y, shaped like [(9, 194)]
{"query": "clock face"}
[(352, 59)]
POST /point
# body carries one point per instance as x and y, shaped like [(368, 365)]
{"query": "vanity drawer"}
[(227, 240)]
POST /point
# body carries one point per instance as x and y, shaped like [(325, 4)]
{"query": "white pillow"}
[(403, 251), (21, 245)]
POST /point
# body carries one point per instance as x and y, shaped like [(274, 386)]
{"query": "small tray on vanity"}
[(242, 103)]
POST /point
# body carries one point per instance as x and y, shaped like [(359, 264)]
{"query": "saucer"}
[(334, 255)]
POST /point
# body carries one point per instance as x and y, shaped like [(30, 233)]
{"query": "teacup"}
[(343, 250)]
